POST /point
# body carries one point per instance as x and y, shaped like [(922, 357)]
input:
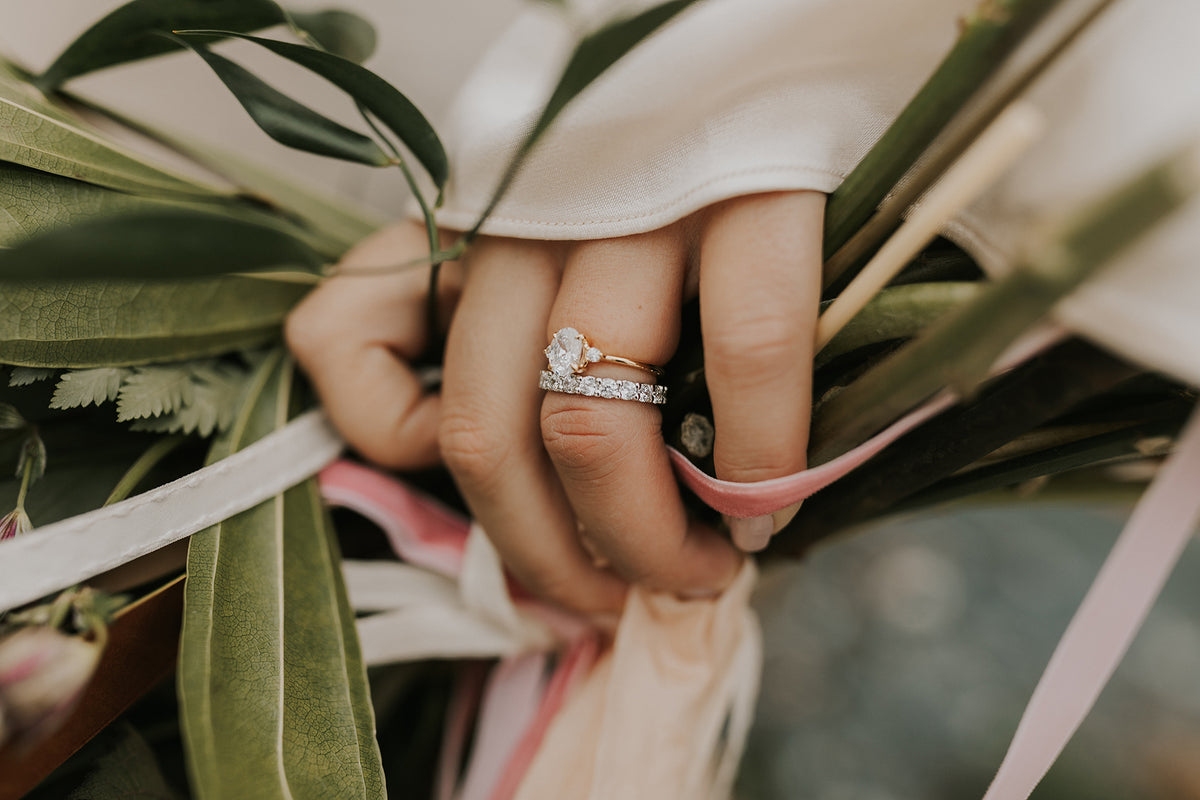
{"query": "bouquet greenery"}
[(140, 316)]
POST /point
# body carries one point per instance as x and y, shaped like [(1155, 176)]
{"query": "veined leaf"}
[(125, 768), (50, 143), (37, 202), (162, 244), (338, 31), (100, 324), (289, 122), (594, 54), (215, 390), (273, 694), (126, 34), (155, 390), (84, 387), (371, 91)]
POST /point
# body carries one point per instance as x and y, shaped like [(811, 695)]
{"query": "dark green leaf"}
[(160, 245), (124, 769), (338, 31), (102, 323), (289, 122), (594, 54), (374, 94), (272, 688), (127, 34)]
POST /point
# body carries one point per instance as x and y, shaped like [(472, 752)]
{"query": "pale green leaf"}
[(372, 93), (48, 142), (27, 376), (155, 390), (85, 387), (103, 324), (290, 122), (216, 389), (273, 695), (124, 769)]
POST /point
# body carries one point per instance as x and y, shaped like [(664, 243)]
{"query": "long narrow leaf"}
[(371, 91), (32, 137), (161, 244), (272, 687), (127, 323), (594, 54), (290, 122), (126, 34)]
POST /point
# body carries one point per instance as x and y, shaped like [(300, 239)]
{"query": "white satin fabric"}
[(741, 96)]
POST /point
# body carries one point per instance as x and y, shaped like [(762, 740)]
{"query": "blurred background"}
[(898, 658)]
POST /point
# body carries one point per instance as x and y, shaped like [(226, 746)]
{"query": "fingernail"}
[(752, 534)]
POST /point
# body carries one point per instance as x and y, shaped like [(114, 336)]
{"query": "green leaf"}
[(124, 768), (273, 693), (84, 387), (155, 390), (372, 92), (126, 34), (594, 54), (289, 122), (50, 143), (338, 31), (27, 376), (216, 388), (101, 324), (162, 244)]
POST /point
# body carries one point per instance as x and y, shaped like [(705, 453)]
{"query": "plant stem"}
[(989, 36), (958, 350), (1030, 395), (26, 474), (140, 468), (844, 264)]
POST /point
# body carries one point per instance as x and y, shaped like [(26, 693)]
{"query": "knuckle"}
[(585, 439), (756, 344), (306, 329), (472, 450)]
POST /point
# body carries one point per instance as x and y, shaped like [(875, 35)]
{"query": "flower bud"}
[(43, 672), (14, 523)]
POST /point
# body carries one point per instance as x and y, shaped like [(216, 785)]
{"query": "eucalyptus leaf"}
[(272, 688), (127, 34), (166, 244), (98, 324), (594, 54), (372, 92), (338, 31), (290, 122)]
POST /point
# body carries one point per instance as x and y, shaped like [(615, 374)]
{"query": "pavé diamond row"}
[(611, 388)]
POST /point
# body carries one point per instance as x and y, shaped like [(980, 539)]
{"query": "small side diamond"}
[(629, 390), (593, 355), (646, 393), (588, 386), (608, 388)]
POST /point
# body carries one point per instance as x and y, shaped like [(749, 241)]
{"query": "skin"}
[(577, 493)]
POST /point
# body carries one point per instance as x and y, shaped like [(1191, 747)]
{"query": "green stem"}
[(844, 264), (26, 475), (989, 37), (147, 461), (958, 350)]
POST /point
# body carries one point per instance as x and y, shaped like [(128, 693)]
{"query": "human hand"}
[(576, 492)]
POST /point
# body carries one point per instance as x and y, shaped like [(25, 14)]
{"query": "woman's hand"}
[(577, 492)]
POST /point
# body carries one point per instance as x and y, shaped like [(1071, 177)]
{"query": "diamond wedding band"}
[(570, 354)]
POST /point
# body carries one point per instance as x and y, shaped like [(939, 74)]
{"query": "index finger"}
[(354, 336)]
